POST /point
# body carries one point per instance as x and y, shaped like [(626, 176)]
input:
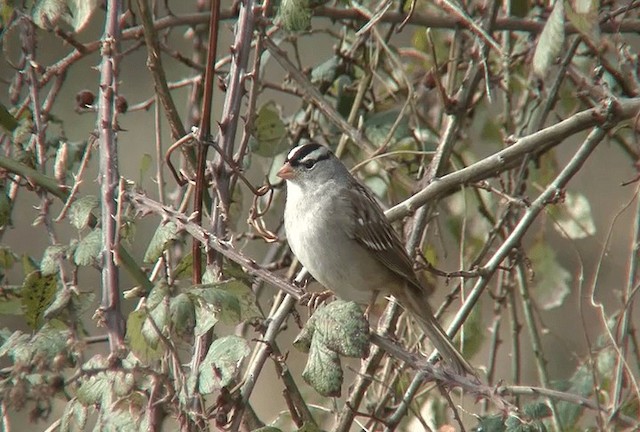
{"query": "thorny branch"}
[(109, 177)]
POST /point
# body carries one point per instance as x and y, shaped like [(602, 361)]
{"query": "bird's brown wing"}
[(373, 231)]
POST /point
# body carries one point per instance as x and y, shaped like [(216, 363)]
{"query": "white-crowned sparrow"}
[(340, 234)]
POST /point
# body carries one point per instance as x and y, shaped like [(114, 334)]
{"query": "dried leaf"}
[(550, 42)]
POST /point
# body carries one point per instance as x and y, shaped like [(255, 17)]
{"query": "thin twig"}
[(502, 160), (537, 206), (625, 320), (316, 97), (535, 339)]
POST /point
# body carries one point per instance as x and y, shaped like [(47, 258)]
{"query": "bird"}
[(339, 233)]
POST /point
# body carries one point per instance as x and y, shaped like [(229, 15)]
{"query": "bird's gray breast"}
[(322, 245)]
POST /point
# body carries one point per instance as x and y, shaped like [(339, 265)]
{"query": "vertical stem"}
[(625, 324), (29, 47), (226, 137), (536, 340), (515, 342), (494, 331), (204, 134), (109, 175)]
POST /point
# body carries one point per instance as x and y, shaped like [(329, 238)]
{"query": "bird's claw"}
[(313, 300)]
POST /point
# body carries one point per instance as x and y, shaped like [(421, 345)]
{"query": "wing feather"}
[(374, 232)]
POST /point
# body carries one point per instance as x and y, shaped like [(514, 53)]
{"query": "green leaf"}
[(28, 265), (80, 210), (7, 258), (157, 295), (235, 209), (145, 165), (165, 233), (537, 410), (342, 327), (49, 342), (187, 391), (222, 363), (339, 327), (493, 423), (88, 249), (7, 120), (377, 127), (37, 293), (156, 321), (95, 387), (137, 342), (125, 416), (5, 208), (45, 345), (551, 40), (214, 299), (584, 17), (50, 260), (345, 94), (184, 268), (521, 8), (68, 305), (22, 133), (206, 317), (323, 370), (325, 72), (81, 302), (61, 301), (513, 424), (234, 270), (157, 307), (309, 427), (294, 15), (302, 342), (123, 383), (74, 414), (581, 382), (270, 131), (17, 347), (573, 217), (76, 151), (182, 315), (552, 282), (210, 276), (246, 299), (474, 333), (6, 12)]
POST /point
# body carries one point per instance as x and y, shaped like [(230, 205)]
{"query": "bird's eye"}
[(308, 164)]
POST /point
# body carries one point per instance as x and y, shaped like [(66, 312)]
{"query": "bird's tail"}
[(421, 311)]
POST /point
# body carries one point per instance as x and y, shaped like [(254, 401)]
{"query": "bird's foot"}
[(313, 300)]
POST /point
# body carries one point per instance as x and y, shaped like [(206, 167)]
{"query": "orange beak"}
[(286, 172)]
